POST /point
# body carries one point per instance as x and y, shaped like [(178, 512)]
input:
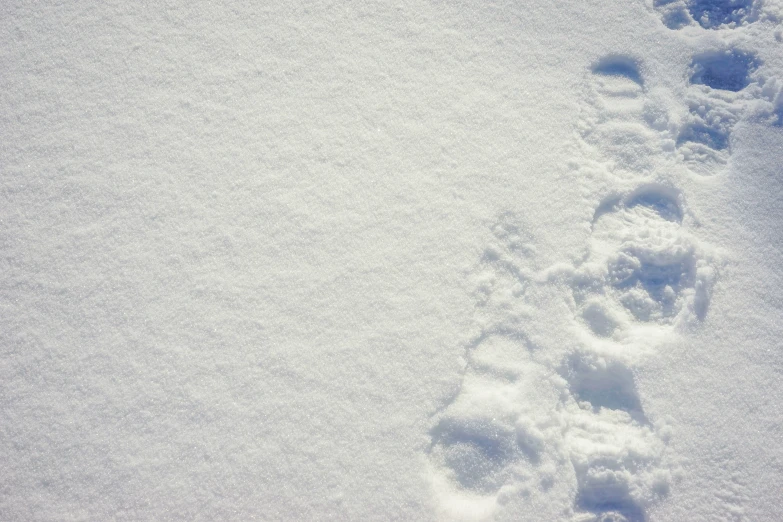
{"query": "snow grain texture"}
[(530, 413)]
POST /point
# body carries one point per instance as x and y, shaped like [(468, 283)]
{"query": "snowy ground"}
[(392, 261)]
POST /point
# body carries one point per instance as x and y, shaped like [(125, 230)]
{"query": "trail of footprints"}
[(635, 135), (520, 417), (709, 14), (723, 88), (527, 414)]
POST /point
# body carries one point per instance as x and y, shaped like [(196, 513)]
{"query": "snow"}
[(410, 261)]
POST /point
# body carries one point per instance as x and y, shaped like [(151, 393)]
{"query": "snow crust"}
[(391, 261)]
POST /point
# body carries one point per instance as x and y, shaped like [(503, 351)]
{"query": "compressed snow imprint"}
[(727, 70), (709, 14), (476, 441), (716, 102), (519, 421), (644, 275), (642, 266), (724, 87), (633, 135), (616, 122), (526, 417)]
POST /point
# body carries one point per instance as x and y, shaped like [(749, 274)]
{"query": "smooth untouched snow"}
[(411, 261)]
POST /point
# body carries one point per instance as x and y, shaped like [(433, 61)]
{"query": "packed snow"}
[(392, 261)]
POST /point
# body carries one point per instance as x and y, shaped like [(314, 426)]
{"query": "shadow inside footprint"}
[(617, 65), (600, 322), (650, 290), (610, 504), (603, 384), (713, 138), (656, 278), (660, 199), (727, 70), (711, 14)]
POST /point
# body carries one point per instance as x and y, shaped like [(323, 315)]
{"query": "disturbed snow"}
[(513, 261)]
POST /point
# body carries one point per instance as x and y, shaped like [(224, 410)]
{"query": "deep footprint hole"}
[(608, 385), (726, 70), (651, 287), (711, 14), (655, 278), (713, 138)]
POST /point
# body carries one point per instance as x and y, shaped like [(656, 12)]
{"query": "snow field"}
[(391, 261)]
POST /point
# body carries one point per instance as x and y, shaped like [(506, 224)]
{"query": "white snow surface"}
[(413, 260)]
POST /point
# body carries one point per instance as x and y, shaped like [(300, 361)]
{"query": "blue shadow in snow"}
[(611, 386), (616, 65), (727, 70), (713, 138), (611, 507), (713, 13)]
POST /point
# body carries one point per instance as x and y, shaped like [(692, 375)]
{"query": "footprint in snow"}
[(480, 441), (721, 88), (643, 268), (643, 276), (620, 125), (520, 421), (707, 14), (635, 136), (488, 441)]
